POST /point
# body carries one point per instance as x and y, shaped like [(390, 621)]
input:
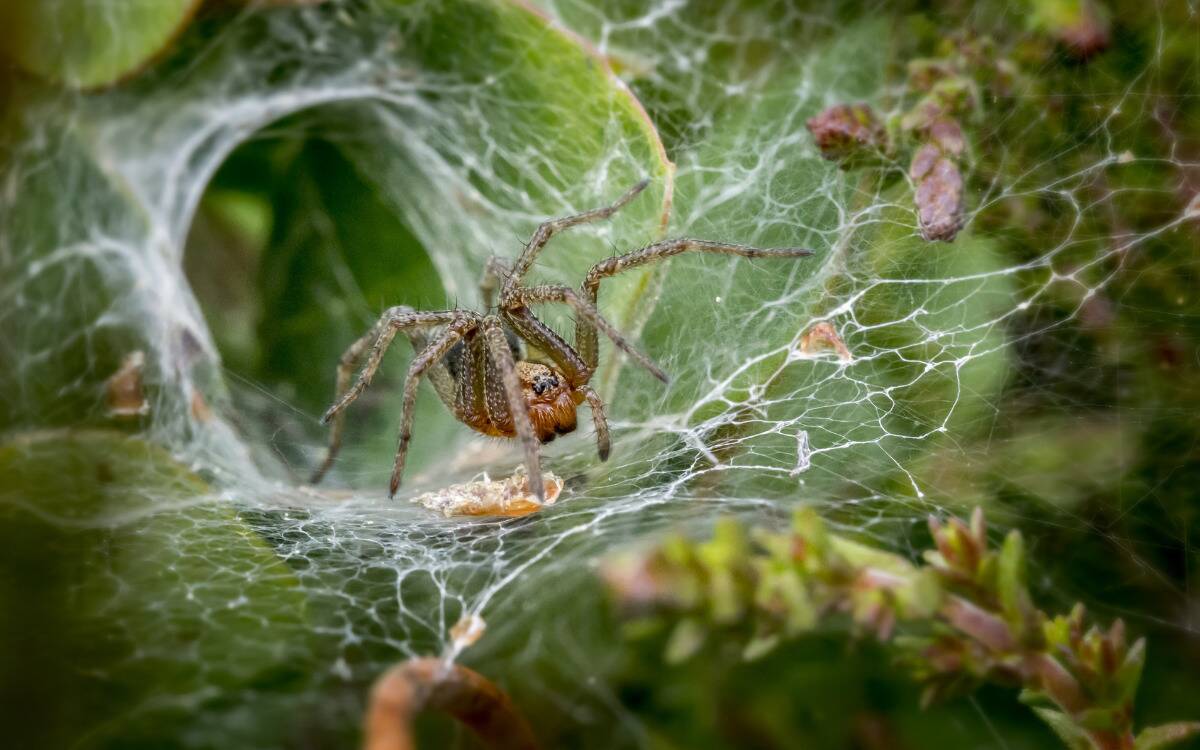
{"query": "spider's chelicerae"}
[(475, 362)]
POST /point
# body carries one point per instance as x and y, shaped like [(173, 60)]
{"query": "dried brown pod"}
[(939, 193), (467, 631), (947, 134), (492, 497)]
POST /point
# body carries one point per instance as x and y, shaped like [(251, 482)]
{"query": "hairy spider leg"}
[(494, 271), (522, 297), (378, 337), (510, 395), (429, 357), (586, 342), (438, 374), (600, 420), (552, 227)]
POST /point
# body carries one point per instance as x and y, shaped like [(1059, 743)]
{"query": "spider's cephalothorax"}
[(475, 363), (550, 400)]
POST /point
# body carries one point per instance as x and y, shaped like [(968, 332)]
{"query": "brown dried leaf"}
[(824, 336), (491, 497), (125, 394), (467, 630)]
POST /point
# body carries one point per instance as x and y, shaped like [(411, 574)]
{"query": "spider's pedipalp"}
[(541, 336)]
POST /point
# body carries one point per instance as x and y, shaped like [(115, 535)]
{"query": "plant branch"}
[(420, 685), (964, 617)]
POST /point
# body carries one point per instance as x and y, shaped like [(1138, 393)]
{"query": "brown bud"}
[(924, 73), (1086, 32), (939, 195), (847, 130), (947, 135)]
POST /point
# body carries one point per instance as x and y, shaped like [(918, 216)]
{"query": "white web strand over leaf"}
[(754, 422)]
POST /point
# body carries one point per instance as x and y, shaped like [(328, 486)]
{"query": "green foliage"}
[(964, 618), (87, 44), (145, 607)]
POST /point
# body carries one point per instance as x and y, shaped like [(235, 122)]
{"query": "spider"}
[(475, 361)]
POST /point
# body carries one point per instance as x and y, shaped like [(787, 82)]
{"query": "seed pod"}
[(939, 194)]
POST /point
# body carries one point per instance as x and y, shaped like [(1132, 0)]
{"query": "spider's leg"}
[(428, 357), (600, 420), (389, 325), (494, 274), (585, 332), (540, 335), (550, 228), (439, 375), (346, 366), (585, 310), (378, 338), (502, 357)]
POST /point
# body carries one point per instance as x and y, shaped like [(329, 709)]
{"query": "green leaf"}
[(783, 593), (1129, 674), (760, 646), (1069, 732), (1010, 578), (944, 381), (1103, 719), (85, 44), (1166, 735), (686, 639), (62, 379), (150, 594)]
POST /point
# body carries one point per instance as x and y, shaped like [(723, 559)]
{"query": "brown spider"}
[(475, 360)]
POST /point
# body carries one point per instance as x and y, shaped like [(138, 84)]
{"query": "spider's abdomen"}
[(454, 358)]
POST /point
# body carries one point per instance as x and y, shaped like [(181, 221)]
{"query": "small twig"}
[(428, 684)]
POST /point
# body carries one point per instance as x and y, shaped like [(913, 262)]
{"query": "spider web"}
[(943, 339)]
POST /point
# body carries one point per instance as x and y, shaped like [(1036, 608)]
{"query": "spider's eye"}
[(544, 383)]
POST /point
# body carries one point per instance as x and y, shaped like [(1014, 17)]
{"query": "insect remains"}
[(475, 360)]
